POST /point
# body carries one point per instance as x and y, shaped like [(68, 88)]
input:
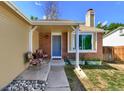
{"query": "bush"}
[(26, 56), (90, 59), (67, 61)]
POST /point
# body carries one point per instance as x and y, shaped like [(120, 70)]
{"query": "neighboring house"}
[(114, 38), (113, 45), (56, 37)]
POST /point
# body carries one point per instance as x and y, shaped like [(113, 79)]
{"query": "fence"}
[(113, 53)]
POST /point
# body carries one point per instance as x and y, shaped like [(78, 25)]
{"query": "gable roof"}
[(16, 10), (41, 22), (119, 28), (53, 21)]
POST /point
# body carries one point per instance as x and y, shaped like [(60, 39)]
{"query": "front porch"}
[(52, 39), (59, 41)]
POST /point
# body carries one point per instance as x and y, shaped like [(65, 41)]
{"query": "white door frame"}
[(56, 34)]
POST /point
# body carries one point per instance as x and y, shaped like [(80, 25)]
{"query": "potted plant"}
[(92, 61)]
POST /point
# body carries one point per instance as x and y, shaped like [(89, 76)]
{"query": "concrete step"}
[(59, 62)]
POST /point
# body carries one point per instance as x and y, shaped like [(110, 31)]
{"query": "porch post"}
[(31, 38), (77, 47)]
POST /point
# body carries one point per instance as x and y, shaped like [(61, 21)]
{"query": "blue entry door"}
[(56, 46)]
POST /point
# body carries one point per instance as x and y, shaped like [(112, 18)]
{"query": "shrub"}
[(27, 56), (90, 59)]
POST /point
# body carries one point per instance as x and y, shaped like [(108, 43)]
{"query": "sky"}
[(105, 11)]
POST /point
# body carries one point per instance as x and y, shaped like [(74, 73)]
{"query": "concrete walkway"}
[(57, 80), (117, 66), (35, 73)]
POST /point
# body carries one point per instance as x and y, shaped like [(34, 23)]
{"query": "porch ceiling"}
[(53, 28)]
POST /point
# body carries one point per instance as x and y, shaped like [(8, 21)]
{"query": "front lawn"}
[(74, 83), (105, 77)]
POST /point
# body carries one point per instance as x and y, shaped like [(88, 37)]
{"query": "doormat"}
[(55, 61)]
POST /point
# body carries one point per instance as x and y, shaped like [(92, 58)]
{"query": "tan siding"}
[(14, 43), (35, 40)]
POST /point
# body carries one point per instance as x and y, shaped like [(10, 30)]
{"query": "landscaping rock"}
[(26, 85)]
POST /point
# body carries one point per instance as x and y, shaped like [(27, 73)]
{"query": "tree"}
[(102, 26), (113, 26), (110, 27), (33, 18), (99, 25), (51, 10)]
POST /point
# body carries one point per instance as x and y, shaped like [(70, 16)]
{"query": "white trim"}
[(81, 33), (73, 37), (17, 10), (73, 28), (56, 34), (96, 42), (45, 22), (68, 42), (113, 31), (56, 57), (77, 47), (94, 19), (31, 38), (34, 28), (92, 41), (83, 51)]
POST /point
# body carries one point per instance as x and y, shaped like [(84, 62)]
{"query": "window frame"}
[(82, 51), (91, 41)]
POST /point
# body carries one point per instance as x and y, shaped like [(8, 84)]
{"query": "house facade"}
[(62, 34), (113, 46), (58, 38), (66, 39), (114, 38)]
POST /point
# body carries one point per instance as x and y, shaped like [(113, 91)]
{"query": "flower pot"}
[(93, 62)]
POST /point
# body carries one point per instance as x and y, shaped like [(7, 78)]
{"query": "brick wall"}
[(98, 54), (45, 42)]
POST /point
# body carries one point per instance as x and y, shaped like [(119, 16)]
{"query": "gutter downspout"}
[(31, 38)]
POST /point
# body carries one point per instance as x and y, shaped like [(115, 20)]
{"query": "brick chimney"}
[(90, 18)]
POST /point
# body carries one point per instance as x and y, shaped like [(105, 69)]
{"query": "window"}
[(85, 42), (73, 41)]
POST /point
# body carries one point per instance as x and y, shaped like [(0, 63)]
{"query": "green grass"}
[(105, 77), (72, 78), (70, 75)]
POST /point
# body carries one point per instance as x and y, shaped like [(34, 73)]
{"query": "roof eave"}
[(14, 8), (84, 28), (94, 31), (56, 23), (113, 31)]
